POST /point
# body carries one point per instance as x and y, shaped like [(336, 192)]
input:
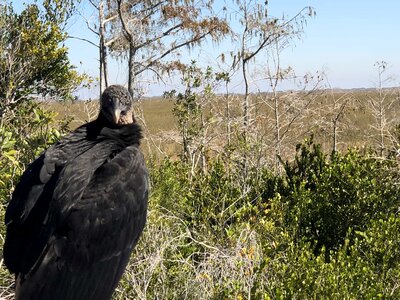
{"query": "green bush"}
[(327, 197), (368, 269)]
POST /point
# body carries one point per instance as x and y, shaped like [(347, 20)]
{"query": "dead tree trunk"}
[(102, 50)]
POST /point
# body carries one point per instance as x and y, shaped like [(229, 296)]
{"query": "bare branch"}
[(83, 39), (191, 41)]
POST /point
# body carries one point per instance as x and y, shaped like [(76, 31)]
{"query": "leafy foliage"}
[(33, 59), (327, 198), (192, 111)]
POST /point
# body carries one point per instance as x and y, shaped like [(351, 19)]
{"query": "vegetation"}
[(34, 60), (254, 196), (326, 229)]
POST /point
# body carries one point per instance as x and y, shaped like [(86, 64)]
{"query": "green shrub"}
[(368, 269), (326, 198)]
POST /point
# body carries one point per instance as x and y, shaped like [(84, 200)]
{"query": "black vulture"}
[(79, 209)]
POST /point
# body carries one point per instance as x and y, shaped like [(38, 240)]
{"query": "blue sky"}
[(344, 40)]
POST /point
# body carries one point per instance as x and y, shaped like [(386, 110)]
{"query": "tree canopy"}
[(33, 57)]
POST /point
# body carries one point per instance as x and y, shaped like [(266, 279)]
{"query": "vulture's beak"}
[(116, 115)]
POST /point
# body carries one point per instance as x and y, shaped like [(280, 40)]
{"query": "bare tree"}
[(102, 48), (380, 106), (290, 111), (258, 32), (332, 114), (100, 30)]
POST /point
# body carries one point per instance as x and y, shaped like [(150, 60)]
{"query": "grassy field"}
[(157, 112), (356, 124)]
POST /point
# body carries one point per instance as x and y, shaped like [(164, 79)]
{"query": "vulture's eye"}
[(123, 113)]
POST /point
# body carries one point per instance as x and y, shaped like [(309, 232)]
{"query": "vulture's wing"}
[(27, 215), (42, 174)]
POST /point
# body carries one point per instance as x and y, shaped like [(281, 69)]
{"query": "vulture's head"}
[(116, 105)]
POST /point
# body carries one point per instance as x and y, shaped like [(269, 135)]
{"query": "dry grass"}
[(161, 130), (157, 112)]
